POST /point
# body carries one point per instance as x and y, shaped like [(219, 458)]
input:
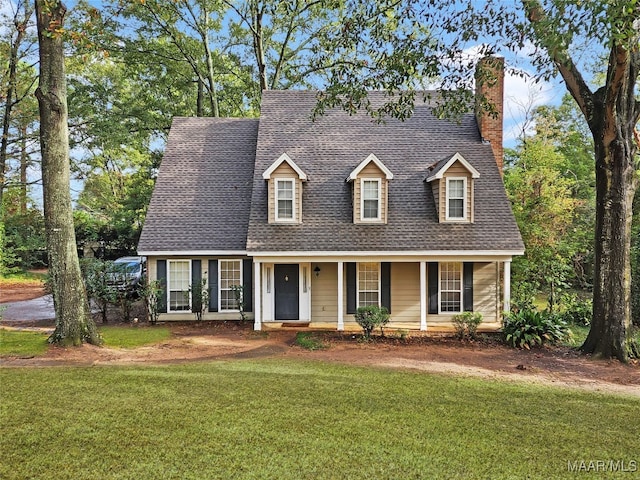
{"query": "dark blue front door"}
[(286, 284)]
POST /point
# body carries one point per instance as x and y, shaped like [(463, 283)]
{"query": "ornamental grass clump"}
[(371, 317)]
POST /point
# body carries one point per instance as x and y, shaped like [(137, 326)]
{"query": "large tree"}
[(73, 319), (16, 81), (558, 35), (612, 112)]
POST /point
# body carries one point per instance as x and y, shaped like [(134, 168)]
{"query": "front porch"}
[(421, 295)]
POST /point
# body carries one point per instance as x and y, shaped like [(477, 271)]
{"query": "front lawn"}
[(26, 343), (117, 336), (290, 419), (22, 343)]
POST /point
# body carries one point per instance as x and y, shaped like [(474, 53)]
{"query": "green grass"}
[(132, 337), (309, 341), (286, 419), (578, 336), (23, 277), (22, 343), (26, 343), (540, 301)]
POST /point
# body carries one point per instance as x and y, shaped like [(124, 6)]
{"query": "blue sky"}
[(522, 93)]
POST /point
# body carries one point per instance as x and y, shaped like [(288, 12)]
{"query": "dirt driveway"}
[(487, 358)]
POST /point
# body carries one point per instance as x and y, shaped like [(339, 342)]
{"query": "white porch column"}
[(423, 295), (340, 296), (257, 303), (506, 290)]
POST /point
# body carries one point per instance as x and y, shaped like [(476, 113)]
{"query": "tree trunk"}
[(257, 15), (24, 165), (199, 101), (73, 319), (616, 183), (213, 94), (612, 113)]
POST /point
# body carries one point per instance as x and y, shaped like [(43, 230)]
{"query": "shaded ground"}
[(486, 358), (18, 291), (33, 310)]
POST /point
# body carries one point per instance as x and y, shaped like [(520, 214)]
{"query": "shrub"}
[(96, 280), (238, 295), (370, 317), (466, 324), (402, 335), (150, 293), (199, 298), (528, 328), (523, 296), (576, 311)]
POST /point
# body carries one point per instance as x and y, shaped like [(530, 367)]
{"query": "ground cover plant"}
[(530, 328), (296, 419)]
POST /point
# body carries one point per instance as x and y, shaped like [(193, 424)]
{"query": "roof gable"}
[(371, 158), (443, 165), (284, 158)]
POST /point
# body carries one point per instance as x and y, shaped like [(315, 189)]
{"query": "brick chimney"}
[(490, 103)]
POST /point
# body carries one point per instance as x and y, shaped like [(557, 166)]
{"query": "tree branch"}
[(558, 53)]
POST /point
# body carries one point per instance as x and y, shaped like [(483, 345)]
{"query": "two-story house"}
[(314, 218)]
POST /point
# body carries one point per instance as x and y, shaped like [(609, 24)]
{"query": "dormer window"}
[(456, 198), (284, 190), (370, 182), (452, 183), (285, 194), (370, 199)]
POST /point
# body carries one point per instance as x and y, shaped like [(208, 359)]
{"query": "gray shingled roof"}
[(209, 196), (328, 149), (202, 196)]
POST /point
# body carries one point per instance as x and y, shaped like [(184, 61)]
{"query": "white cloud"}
[(522, 94)]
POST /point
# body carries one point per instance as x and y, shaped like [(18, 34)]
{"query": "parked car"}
[(127, 273)]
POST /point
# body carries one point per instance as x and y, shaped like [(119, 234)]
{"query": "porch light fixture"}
[(317, 271)]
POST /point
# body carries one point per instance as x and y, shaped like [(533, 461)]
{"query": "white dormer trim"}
[(284, 158), (456, 158), (371, 158)]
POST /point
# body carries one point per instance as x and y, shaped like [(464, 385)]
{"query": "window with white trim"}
[(456, 198), (450, 287), (285, 195), (230, 276), (370, 203), (178, 281), (368, 284)]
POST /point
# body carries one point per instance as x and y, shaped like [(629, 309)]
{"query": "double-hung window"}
[(179, 278), (450, 287), (230, 278), (285, 195), (370, 192), (456, 198), (368, 284)]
